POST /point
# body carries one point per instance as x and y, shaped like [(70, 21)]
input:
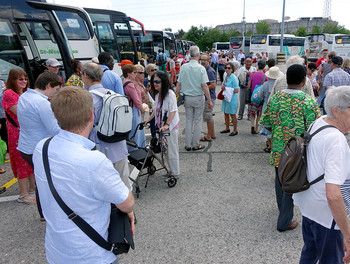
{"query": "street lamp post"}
[(282, 29), (243, 44)]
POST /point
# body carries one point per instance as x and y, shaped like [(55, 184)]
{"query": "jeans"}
[(242, 92), (194, 107), (321, 244), (284, 203)]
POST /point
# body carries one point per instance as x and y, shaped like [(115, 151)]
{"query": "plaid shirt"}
[(337, 77)]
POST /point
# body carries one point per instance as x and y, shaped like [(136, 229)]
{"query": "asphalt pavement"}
[(222, 210)]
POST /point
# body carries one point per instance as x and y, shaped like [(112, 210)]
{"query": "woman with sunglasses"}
[(167, 118), (230, 108), (135, 101), (17, 84), (139, 79)]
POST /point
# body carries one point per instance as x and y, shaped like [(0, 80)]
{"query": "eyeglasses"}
[(23, 79), (153, 70), (227, 68), (157, 81), (140, 72)]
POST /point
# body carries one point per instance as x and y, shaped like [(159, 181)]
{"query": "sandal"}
[(267, 149), (198, 147), (27, 199), (2, 170), (205, 139), (225, 131)]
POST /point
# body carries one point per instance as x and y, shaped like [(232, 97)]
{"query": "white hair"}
[(337, 97), (295, 60), (194, 51)]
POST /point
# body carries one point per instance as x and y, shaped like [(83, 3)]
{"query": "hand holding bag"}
[(220, 95), (120, 237)]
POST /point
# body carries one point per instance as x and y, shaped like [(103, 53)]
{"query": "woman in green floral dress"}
[(289, 113)]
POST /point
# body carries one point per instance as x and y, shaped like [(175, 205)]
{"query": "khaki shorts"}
[(208, 113)]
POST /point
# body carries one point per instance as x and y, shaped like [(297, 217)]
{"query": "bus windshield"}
[(236, 41), (73, 25), (222, 46), (258, 39), (342, 39)]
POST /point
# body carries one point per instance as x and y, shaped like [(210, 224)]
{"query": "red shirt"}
[(320, 61)]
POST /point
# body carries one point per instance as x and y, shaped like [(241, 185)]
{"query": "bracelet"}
[(167, 124)]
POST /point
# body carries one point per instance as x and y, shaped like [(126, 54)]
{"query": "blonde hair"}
[(150, 67), (139, 68), (346, 63), (72, 107)]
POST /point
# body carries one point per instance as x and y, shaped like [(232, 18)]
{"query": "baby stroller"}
[(143, 158)]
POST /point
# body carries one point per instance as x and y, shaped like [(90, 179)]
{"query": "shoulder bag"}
[(120, 237)]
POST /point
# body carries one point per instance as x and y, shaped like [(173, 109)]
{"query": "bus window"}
[(258, 39), (73, 25), (146, 44), (11, 54), (179, 48), (157, 42), (342, 39), (169, 47), (124, 41), (107, 41), (274, 41)]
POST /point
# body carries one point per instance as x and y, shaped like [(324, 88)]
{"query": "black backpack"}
[(293, 163), (161, 59)]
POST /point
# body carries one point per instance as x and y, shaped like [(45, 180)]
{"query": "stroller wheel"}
[(172, 182), (151, 169)]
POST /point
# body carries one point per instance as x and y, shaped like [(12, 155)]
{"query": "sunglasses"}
[(140, 72), (23, 79), (157, 81), (227, 68), (153, 70)]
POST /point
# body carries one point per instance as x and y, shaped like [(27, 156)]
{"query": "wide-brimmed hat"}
[(274, 73), (125, 62), (52, 62)]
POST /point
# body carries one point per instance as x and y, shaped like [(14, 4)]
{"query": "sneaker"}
[(239, 118), (176, 177), (166, 175)]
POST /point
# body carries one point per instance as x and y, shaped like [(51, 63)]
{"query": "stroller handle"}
[(139, 126)]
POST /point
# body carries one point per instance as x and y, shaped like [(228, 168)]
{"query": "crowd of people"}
[(289, 105)]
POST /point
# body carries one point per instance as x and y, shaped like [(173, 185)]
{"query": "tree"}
[(343, 30), (195, 34), (180, 33), (249, 33), (330, 28), (168, 29), (316, 30), (262, 28), (301, 32)]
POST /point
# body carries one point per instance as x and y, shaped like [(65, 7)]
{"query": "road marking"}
[(8, 198), (10, 183)]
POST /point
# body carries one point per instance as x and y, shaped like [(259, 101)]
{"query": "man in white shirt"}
[(84, 179)]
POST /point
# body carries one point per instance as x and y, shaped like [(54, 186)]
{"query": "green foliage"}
[(316, 30), (343, 30), (168, 29), (330, 28), (248, 33), (262, 27), (301, 32), (180, 33)]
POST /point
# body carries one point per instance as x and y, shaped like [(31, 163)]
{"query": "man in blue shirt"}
[(110, 79), (84, 179), (116, 152), (161, 60), (36, 118), (208, 113)]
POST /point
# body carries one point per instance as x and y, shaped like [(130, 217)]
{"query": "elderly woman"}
[(230, 107), (167, 118), (288, 113), (17, 84), (75, 78), (326, 230), (135, 101), (346, 65)]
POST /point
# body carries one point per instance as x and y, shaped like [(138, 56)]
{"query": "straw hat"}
[(274, 73)]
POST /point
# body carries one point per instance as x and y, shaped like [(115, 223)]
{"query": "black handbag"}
[(248, 96), (120, 237)]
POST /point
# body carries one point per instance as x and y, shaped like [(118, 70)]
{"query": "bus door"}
[(158, 42), (169, 45), (12, 54)]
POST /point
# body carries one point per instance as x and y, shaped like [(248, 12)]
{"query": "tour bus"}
[(237, 44), (180, 49), (115, 34), (154, 40), (221, 46), (270, 44), (31, 32), (315, 43)]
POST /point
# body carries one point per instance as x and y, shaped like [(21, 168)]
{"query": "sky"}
[(182, 14)]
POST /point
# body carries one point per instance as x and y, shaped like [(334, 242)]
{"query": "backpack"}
[(116, 117), (293, 163), (161, 59), (255, 95)]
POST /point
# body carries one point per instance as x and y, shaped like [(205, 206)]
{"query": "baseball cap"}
[(337, 60), (125, 62), (52, 62)]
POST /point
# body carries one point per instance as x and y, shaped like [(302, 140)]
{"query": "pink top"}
[(257, 78), (133, 94)]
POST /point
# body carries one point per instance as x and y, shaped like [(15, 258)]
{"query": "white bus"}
[(315, 43), (221, 46), (341, 45), (237, 44), (292, 45)]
